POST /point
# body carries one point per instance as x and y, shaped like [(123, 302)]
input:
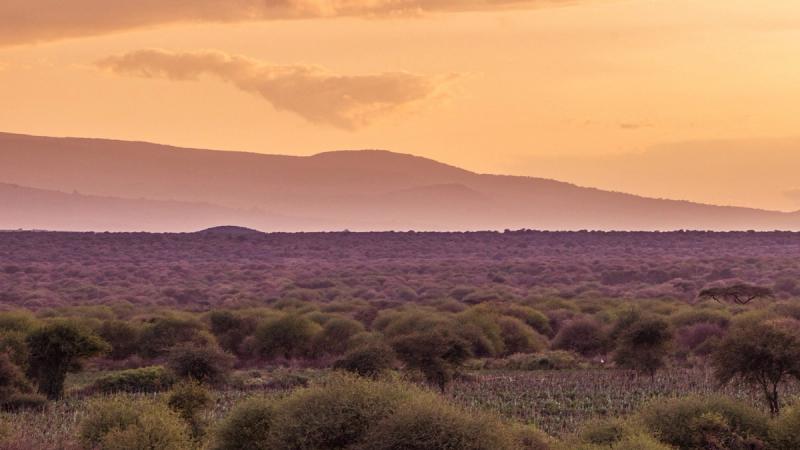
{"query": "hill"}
[(357, 190)]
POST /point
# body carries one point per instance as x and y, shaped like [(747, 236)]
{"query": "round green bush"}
[(247, 427), (695, 422), (142, 379), (367, 361), (120, 423), (429, 423), (336, 413), (207, 364)]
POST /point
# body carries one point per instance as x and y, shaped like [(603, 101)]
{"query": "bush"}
[(289, 336), (427, 422), (699, 338), (583, 336), (208, 364), (123, 424), (144, 379), (12, 380), (231, 329), (190, 399), (697, 422), (605, 433), (335, 414), (13, 343), (123, 336), (438, 354), (482, 331), (785, 430), (335, 335), (550, 360), (528, 437), (643, 345), (367, 361), (247, 427), (519, 337), (161, 335)]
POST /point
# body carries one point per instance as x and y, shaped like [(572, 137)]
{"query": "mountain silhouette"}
[(149, 187)]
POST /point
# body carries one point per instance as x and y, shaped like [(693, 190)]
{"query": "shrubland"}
[(518, 340)]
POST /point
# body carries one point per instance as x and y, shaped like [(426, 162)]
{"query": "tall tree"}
[(762, 353), (57, 349)]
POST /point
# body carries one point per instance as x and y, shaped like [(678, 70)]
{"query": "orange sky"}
[(685, 99)]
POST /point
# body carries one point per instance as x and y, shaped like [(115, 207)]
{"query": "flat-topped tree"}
[(739, 293)]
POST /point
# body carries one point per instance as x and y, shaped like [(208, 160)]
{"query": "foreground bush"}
[(335, 414), (190, 400), (121, 423), (247, 427), (429, 423), (144, 379), (348, 412), (703, 422)]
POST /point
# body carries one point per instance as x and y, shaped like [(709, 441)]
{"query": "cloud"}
[(30, 21), (344, 101)]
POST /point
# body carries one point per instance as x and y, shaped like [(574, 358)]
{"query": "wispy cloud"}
[(29, 21), (344, 101)]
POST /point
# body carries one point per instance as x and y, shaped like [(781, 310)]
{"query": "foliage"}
[(697, 422), (247, 427), (56, 349), (763, 353), (208, 364), (435, 353), (289, 336), (427, 422), (335, 414), (122, 424), (143, 379), (190, 400), (583, 336), (368, 360), (643, 345)]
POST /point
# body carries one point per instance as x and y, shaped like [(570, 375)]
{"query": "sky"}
[(686, 99)]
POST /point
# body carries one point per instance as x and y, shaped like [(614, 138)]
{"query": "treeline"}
[(219, 270)]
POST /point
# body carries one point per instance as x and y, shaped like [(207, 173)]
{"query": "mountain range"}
[(82, 184)]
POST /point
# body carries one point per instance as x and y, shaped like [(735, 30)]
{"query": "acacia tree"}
[(765, 354), (643, 345), (57, 349), (739, 293), (436, 353)]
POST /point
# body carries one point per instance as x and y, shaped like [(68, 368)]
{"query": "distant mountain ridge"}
[(357, 190)]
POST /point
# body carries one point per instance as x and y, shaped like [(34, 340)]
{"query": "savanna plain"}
[(230, 338)]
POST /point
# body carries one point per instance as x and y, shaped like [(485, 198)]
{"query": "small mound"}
[(230, 230)]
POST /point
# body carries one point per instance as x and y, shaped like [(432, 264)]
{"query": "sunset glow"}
[(616, 94)]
